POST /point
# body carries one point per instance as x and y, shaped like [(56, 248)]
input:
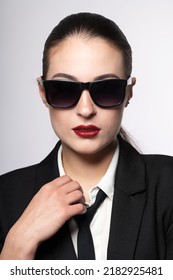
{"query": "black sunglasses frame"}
[(80, 87)]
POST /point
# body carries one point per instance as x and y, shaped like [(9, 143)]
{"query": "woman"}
[(86, 85)]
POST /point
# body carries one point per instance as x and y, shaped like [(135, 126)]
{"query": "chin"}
[(89, 148)]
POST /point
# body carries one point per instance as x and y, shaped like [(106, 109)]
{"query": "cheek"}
[(112, 120), (58, 121)]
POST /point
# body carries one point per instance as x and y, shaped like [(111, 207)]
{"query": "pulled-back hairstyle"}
[(89, 25)]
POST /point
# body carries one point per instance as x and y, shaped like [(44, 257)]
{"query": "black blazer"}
[(142, 212)]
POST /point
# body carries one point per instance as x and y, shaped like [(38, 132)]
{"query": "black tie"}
[(84, 241)]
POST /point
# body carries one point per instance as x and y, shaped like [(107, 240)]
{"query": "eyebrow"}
[(71, 77), (63, 75), (106, 76)]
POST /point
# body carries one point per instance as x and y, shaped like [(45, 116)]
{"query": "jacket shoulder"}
[(16, 182), (159, 162), (23, 180), (159, 176), (18, 174)]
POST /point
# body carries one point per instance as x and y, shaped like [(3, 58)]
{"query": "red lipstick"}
[(86, 131)]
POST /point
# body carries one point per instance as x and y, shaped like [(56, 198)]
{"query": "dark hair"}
[(90, 25)]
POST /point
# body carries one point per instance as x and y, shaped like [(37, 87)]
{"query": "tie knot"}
[(86, 218)]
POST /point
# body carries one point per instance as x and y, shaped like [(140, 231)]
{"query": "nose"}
[(85, 106)]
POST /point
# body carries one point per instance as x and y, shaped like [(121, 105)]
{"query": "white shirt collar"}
[(107, 181)]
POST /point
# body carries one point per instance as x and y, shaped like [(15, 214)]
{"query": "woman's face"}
[(86, 60)]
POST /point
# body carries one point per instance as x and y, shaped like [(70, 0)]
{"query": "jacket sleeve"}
[(16, 191)]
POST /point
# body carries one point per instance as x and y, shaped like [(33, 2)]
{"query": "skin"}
[(64, 197)]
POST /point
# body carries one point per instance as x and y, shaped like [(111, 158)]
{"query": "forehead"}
[(79, 55)]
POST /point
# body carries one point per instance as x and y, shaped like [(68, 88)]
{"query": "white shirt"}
[(100, 224)]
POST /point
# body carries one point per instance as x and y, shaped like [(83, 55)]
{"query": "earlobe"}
[(133, 81), (128, 102), (42, 92), (130, 91), (130, 95)]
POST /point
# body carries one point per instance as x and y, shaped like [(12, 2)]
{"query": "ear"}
[(42, 91), (130, 91)]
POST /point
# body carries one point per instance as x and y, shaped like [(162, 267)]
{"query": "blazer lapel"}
[(60, 246), (128, 203)]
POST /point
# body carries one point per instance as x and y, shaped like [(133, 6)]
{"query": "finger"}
[(77, 209), (60, 181), (75, 197), (72, 186)]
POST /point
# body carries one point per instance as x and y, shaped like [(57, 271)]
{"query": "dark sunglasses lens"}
[(62, 94), (108, 93)]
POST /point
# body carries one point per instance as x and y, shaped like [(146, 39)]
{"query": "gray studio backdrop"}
[(25, 131)]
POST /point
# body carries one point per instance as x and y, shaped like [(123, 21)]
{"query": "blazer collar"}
[(127, 209), (47, 169), (128, 203), (130, 177)]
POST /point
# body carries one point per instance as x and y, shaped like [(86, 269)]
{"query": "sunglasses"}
[(104, 93)]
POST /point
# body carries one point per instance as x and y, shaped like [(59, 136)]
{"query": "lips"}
[(86, 131)]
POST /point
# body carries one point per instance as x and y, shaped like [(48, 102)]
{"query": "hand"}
[(54, 204)]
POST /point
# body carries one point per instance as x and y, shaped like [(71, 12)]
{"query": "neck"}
[(92, 167)]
